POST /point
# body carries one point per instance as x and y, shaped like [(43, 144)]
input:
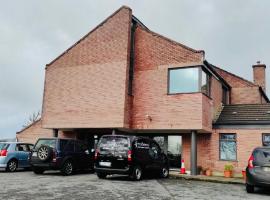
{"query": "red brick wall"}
[(216, 94), (259, 75), (33, 132), (153, 56), (208, 148), (246, 95), (86, 87), (243, 91)]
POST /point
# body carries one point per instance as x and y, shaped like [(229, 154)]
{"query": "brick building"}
[(121, 77)]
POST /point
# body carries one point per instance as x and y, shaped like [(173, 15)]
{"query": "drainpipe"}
[(55, 132), (193, 153)]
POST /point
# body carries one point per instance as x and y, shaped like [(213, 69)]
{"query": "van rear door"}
[(113, 152)]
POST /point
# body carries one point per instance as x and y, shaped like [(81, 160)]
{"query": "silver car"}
[(14, 155)]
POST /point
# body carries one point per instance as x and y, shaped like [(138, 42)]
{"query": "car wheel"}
[(67, 168), (101, 175), (249, 188), (164, 172), (44, 153), (38, 170), (136, 174), (12, 166)]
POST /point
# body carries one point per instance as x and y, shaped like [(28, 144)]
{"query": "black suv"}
[(65, 155), (129, 155), (258, 169)]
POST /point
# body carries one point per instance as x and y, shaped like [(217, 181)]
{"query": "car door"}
[(155, 155), (83, 156), (22, 153), (141, 149)]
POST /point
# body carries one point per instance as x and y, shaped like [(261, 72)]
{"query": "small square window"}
[(266, 139)]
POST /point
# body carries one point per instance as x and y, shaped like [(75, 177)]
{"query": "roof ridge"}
[(249, 82), (82, 38)]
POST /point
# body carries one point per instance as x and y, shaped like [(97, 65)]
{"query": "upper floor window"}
[(188, 80)]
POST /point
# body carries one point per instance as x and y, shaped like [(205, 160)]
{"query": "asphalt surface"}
[(52, 185)]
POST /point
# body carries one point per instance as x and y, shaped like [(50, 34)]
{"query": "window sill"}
[(178, 93), (228, 160)]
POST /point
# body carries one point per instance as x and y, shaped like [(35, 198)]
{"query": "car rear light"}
[(54, 156), (96, 154), (250, 162), (129, 156), (3, 152)]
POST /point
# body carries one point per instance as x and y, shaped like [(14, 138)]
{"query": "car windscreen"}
[(47, 142), (113, 144), (3, 146), (262, 156)]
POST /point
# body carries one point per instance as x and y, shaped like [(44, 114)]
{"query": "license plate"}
[(34, 154), (105, 164), (266, 169)]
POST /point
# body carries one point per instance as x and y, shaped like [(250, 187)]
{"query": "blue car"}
[(14, 155)]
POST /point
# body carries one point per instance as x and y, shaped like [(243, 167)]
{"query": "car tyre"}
[(101, 175), (67, 168), (164, 173), (38, 170), (12, 165), (44, 153), (136, 174), (249, 188)]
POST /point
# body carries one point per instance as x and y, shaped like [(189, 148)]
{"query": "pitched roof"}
[(85, 36), (233, 79), (244, 114), (28, 126), (138, 22)]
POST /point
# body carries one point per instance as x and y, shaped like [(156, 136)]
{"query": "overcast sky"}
[(234, 35)]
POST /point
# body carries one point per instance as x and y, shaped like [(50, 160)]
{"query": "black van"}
[(129, 155), (258, 169)]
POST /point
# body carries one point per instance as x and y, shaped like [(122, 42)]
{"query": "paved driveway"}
[(26, 185)]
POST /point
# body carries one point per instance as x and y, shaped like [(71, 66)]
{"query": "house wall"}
[(246, 95), (33, 132), (153, 56), (208, 148), (86, 86)]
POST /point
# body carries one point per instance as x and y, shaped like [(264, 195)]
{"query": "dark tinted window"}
[(112, 143), (262, 155), (47, 142), (21, 147), (63, 144), (154, 150), (80, 147), (70, 146)]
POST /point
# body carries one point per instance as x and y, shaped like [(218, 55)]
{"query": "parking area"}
[(52, 185)]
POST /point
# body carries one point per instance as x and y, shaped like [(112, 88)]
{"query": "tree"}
[(32, 119)]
